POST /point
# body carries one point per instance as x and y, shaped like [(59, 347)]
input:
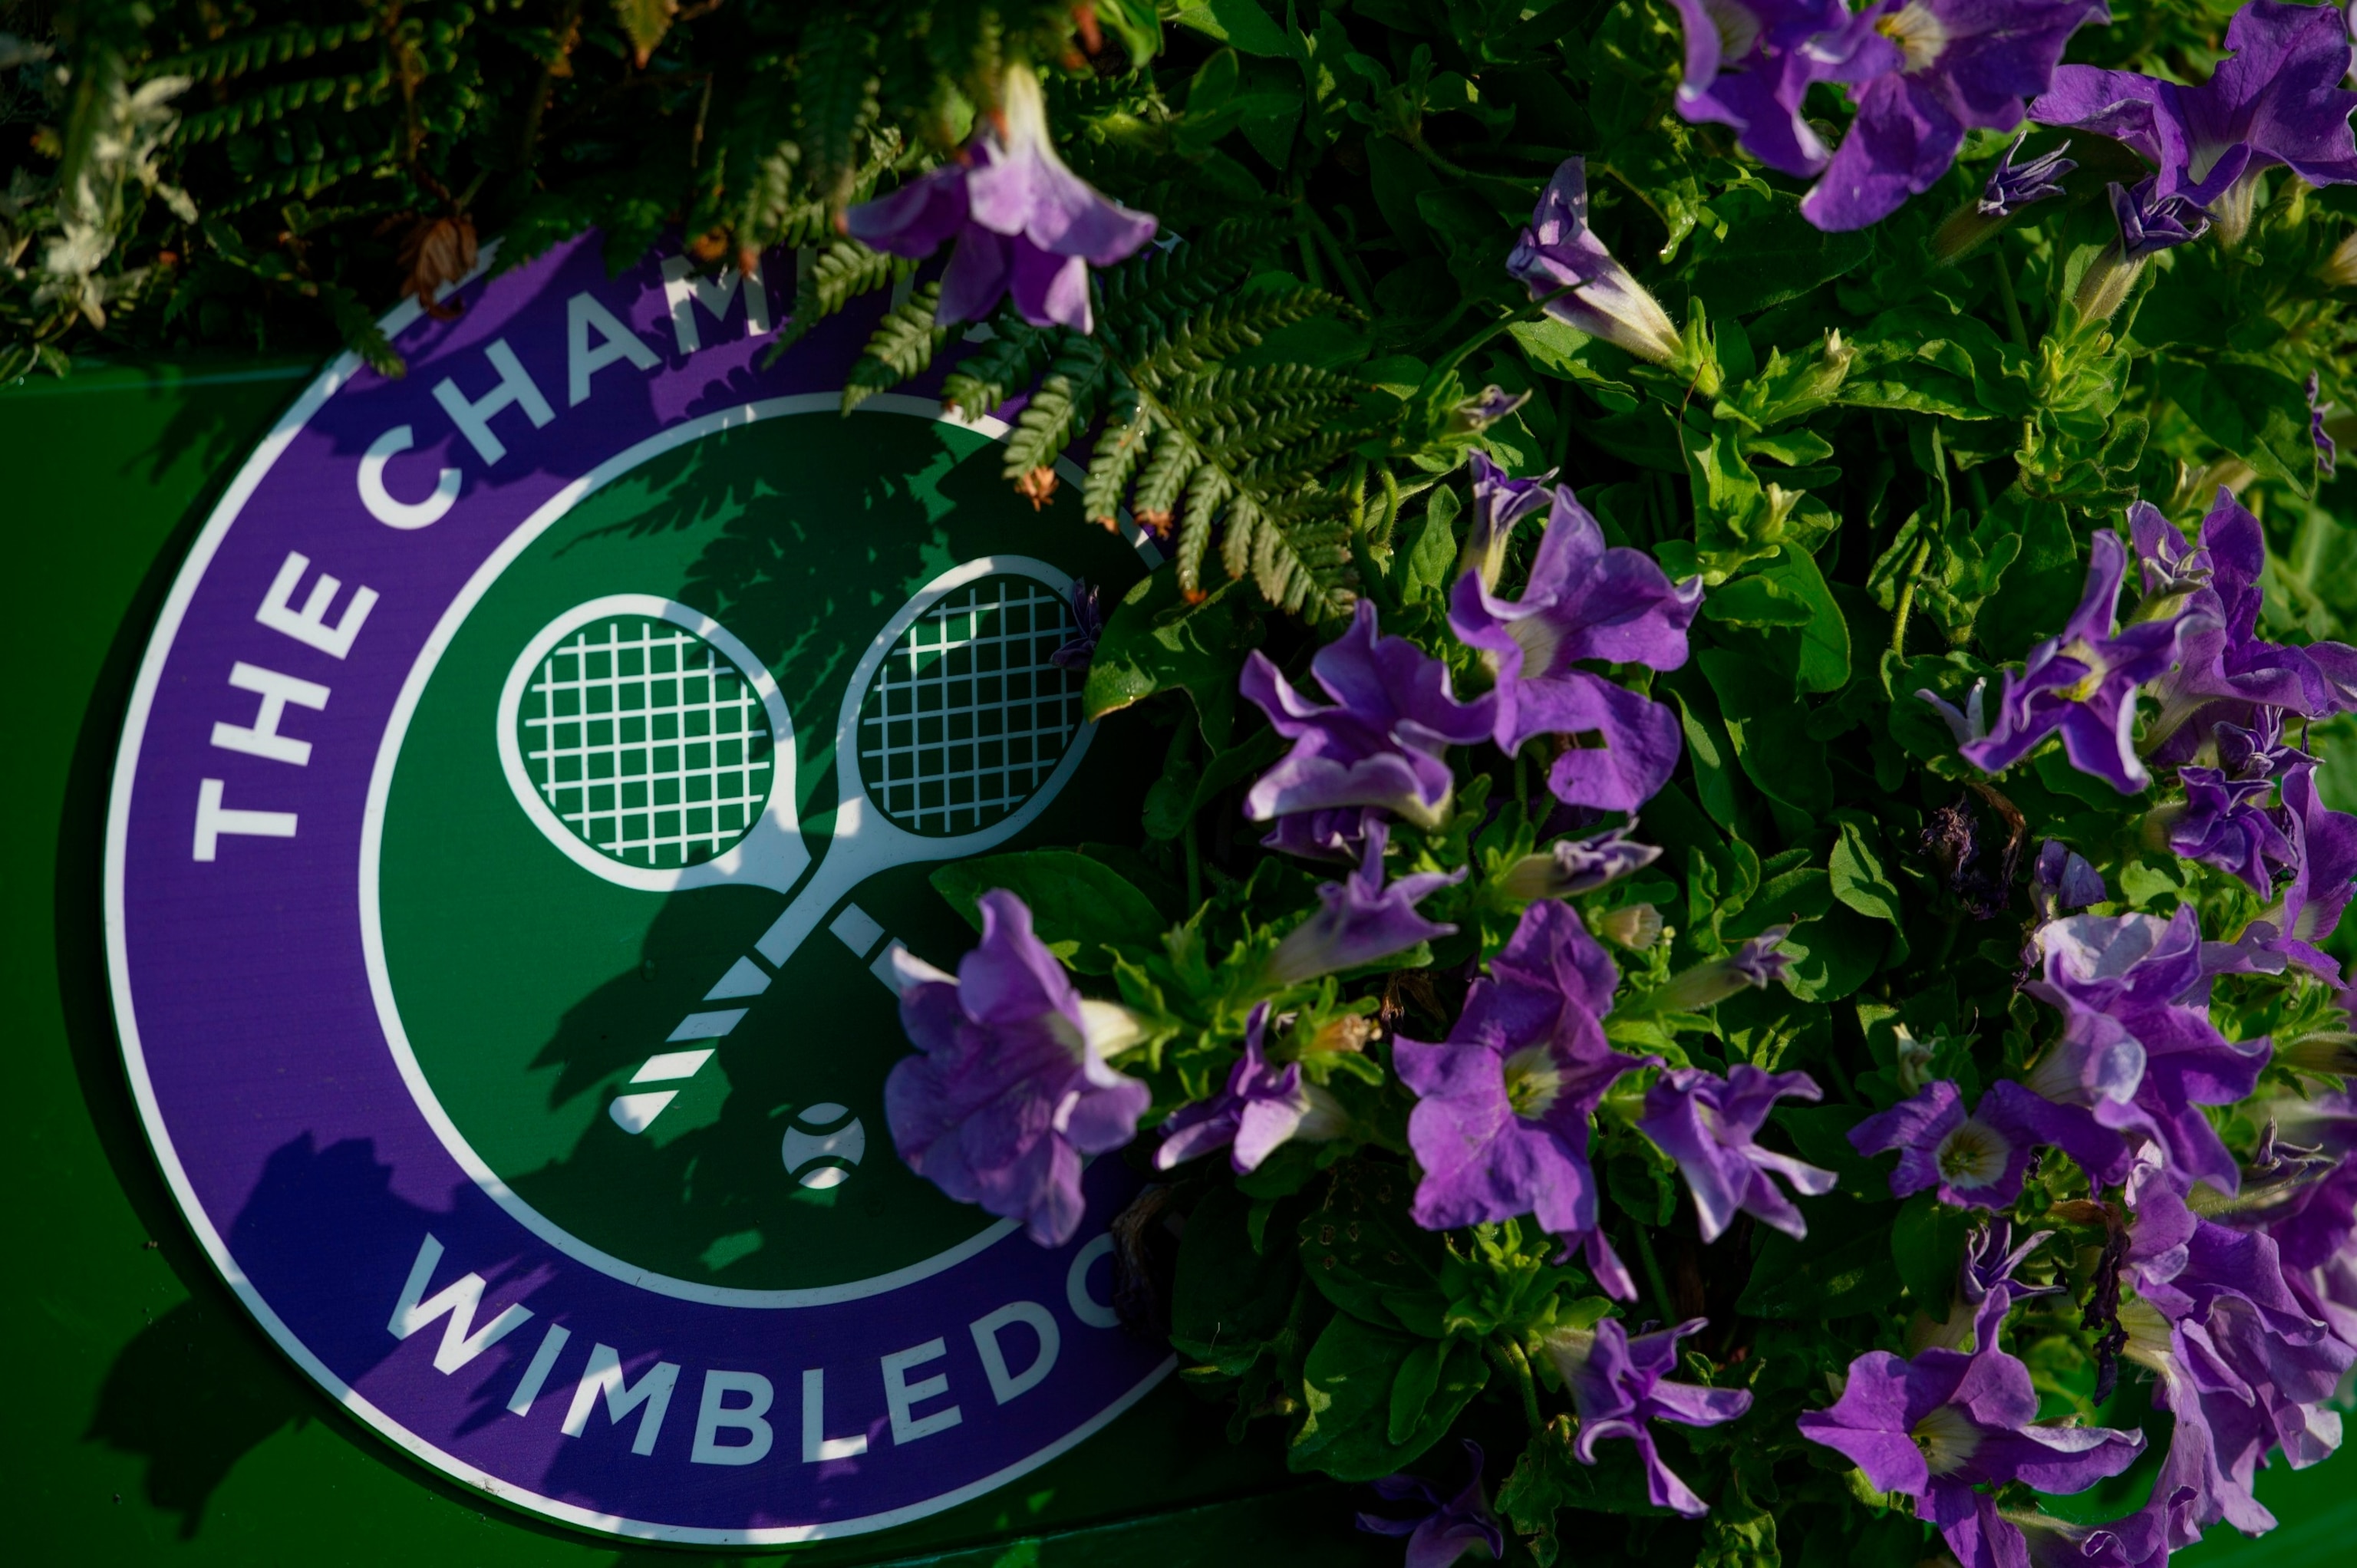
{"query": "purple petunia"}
[(2277, 100), (1263, 1107), (2227, 666), (2138, 1052), (1926, 72), (1710, 1126), (1011, 1085), (1754, 961), (2151, 220), (1749, 63), (2323, 876), (1360, 918), (1978, 1160), (1585, 600), (1080, 650), (2084, 684), (1619, 1385), (1501, 1122), (2012, 187), (2063, 880), (1948, 1422), (1499, 501), (2226, 822), (1557, 252), (1022, 220), (1381, 745), (1440, 1531), (1570, 866)]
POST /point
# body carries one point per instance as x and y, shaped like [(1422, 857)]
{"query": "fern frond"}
[(1165, 478), (1010, 360), (1120, 447), (244, 53), (902, 345), (835, 69), (1060, 410), (843, 272), (276, 101)]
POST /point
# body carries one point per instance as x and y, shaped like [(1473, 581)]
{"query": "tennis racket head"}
[(652, 747), (965, 727)]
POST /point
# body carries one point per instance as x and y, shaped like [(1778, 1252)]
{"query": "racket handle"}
[(836, 875)]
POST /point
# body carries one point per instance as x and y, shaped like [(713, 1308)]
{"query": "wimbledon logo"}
[(537, 762)]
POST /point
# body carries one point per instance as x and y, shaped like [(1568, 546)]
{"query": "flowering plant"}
[(1754, 671)]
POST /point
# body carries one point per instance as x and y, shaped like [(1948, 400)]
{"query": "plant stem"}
[(1653, 1275), (2005, 293), (1514, 1364), (1907, 597), (1344, 270)]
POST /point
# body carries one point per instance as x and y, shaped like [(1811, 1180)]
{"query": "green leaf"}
[(1072, 898), (1156, 641), (1426, 568), (1240, 24), (2257, 413), (1824, 638), (1859, 879), (1768, 724), (1368, 1258), (1229, 1299), (1927, 1246), (1772, 256), (1350, 1380), (1842, 1266)]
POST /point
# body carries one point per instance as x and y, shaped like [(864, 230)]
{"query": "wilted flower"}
[(1262, 1107), (1927, 71), (1576, 865), (2012, 187), (1438, 1532), (1583, 601), (1501, 1121), (1022, 220), (1088, 625), (1559, 252), (1943, 1425), (2277, 100), (1360, 919), (1710, 1126), (2084, 684), (1749, 63), (1619, 1385), (1484, 409), (1382, 742), (1012, 1085)]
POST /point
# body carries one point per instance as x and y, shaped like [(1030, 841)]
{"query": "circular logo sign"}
[(539, 759)]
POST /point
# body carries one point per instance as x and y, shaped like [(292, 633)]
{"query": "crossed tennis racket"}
[(654, 749)]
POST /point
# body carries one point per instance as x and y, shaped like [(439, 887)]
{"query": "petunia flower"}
[(1978, 1160), (1360, 918), (1570, 866), (2323, 876), (2227, 822), (1926, 72), (1502, 1115), (1011, 1085), (1619, 1385), (2011, 186), (2276, 100), (1941, 1426), (1262, 1107), (1710, 1126), (2063, 880), (2083, 684), (1756, 961), (2228, 669), (1023, 222), (1557, 251), (1381, 745), (2151, 222), (1749, 63), (1585, 600), (2137, 1050), (1499, 501), (1992, 1258), (1439, 1531)]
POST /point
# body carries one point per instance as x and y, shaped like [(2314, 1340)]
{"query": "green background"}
[(147, 1421)]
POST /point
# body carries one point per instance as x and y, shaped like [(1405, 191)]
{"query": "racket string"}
[(648, 744), (969, 714)]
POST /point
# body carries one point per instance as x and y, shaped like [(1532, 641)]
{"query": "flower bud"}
[(1755, 962), (2331, 1051), (1576, 865), (1636, 926)]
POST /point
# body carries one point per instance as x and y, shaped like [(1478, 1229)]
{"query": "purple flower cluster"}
[(1921, 72)]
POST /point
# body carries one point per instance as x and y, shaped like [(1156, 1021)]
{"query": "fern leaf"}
[(1060, 410), (244, 53), (1010, 360), (835, 71), (902, 345), (1120, 447), (843, 272)]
